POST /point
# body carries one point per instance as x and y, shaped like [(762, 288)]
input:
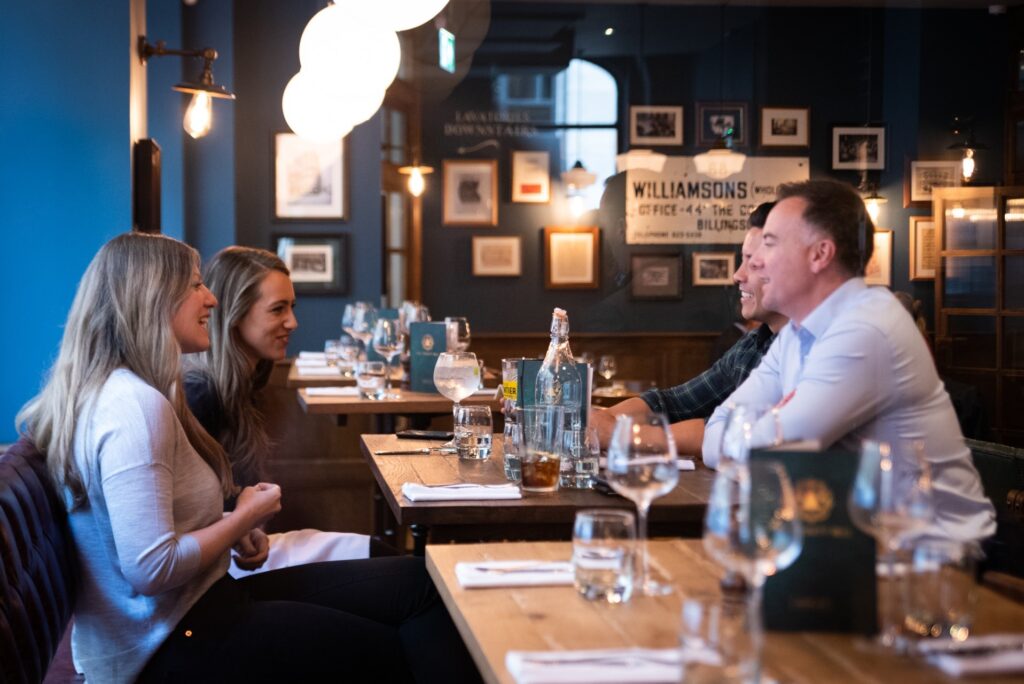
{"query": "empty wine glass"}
[(607, 367), (364, 317), (738, 434), (891, 500), (388, 341), (458, 333), (456, 376), (642, 465)]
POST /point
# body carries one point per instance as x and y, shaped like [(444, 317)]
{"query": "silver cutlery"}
[(523, 568), (425, 451), (611, 660)]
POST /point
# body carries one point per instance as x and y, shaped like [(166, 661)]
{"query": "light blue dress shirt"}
[(858, 368)]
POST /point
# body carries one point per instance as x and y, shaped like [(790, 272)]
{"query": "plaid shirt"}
[(699, 397)]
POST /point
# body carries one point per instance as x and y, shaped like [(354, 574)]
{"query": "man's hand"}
[(251, 551)]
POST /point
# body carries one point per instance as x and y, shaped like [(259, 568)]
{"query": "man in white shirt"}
[(850, 365)]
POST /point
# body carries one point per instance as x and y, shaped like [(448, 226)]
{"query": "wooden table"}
[(535, 516), (407, 403), (495, 621), (297, 381)]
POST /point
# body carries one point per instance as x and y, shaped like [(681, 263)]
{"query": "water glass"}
[(583, 467), (473, 430), (510, 386), (603, 549), (348, 354), (721, 639), (941, 593), (511, 446), (371, 377), (540, 455)]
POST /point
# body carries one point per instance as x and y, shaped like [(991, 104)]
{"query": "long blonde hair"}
[(120, 318), (235, 275)]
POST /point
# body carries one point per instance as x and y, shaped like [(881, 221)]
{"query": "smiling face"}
[(190, 320), (749, 284), (785, 260), (265, 329)]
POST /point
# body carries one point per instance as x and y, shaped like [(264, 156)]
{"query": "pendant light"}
[(721, 161), (963, 127)]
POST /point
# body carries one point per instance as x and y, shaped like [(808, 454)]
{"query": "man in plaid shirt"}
[(688, 405)]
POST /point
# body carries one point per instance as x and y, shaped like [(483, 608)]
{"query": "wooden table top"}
[(408, 402), (495, 621), (686, 502)]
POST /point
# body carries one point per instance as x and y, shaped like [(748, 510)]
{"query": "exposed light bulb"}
[(609, 31), (416, 182), (967, 165), (874, 208), (199, 115), (576, 207)]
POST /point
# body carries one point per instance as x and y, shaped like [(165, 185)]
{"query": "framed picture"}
[(858, 148), (571, 257), (922, 176), (657, 276), (713, 268), (923, 252), (879, 270), (785, 127), (310, 179), (715, 118), (531, 179), (318, 263), (470, 192), (655, 125), (497, 256)]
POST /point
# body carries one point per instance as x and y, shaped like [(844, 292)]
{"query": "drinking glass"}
[(540, 454), (891, 500), (457, 332), (720, 638), (642, 466), (331, 351), (511, 448), (456, 376), (739, 430), (473, 431), (389, 342), (941, 592), (607, 367), (348, 353), (370, 380), (364, 316), (603, 544), (408, 313)]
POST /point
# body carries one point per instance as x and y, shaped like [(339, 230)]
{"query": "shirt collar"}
[(817, 322)]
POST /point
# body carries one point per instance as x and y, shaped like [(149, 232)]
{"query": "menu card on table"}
[(831, 585), (426, 342), (527, 382)]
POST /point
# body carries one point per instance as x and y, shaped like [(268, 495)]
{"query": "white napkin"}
[(463, 491), (310, 363), (322, 371), (321, 356), (684, 463), (486, 392), (519, 573), (601, 666), (332, 391), (989, 654)]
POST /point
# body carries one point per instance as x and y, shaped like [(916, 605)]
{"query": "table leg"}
[(384, 523), (420, 533)]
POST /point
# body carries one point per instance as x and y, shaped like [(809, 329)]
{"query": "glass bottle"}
[(558, 383)]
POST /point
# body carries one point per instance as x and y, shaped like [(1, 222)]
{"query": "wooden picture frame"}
[(497, 256), (655, 125), (878, 271), (713, 118), (924, 254), (470, 192), (713, 268), (656, 275), (572, 257), (318, 263), (921, 177), (858, 148), (310, 180), (531, 176), (785, 127)]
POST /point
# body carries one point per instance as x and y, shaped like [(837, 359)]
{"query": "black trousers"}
[(374, 620)]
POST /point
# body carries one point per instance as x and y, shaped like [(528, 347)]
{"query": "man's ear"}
[(823, 253)]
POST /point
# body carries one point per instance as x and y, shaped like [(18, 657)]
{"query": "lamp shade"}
[(719, 163), (402, 15), (352, 40), (316, 109)]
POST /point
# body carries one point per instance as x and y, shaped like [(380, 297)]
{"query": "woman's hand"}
[(259, 503), (252, 550)]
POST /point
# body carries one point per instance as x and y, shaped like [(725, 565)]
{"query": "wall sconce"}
[(576, 179), (964, 126), (872, 200), (416, 173), (199, 114)]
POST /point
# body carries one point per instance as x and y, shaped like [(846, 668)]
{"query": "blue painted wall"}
[(64, 171), (165, 109)]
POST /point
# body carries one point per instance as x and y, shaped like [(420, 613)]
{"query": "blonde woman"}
[(145, 484)]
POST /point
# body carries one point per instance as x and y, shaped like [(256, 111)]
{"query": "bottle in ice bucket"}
[(558, 384)]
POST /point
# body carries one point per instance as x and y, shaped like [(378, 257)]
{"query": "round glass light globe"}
[(402, 15), (353, 41), (312, 113)]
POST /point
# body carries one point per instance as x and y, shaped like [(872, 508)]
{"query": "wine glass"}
[(891, 500), (456, 376), (738, 434), (607, 367), (458, 333), (364, 317), (388, 341), (642, 466)]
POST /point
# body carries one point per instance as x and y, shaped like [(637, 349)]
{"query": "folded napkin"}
[(305, 371), (486, 392), (528, 573), (310, 363), (322, 356), (601, 666), (684, 463), (990, 654), (464, 491), (332, 391)]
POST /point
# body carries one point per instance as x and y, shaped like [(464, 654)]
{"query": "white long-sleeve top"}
[(147, 489)]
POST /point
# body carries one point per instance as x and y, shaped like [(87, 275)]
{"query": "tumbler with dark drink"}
[(540, 452)]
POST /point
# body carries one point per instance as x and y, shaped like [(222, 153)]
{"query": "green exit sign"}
[(446, 50)]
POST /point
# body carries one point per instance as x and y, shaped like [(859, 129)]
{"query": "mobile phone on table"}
[(423, 434)]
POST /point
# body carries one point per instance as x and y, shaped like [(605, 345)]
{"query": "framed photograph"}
[(858, 148), (497, 256), (922, 176), (318, 263), (470, 192), (655, 125), (715, 118), (657, 276), (879, 270), (713, 268), (310, 179), (531, 179), (785, 127), (571, 257), (923, 252)]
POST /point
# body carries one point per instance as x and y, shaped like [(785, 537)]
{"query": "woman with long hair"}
[(145, 486)]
